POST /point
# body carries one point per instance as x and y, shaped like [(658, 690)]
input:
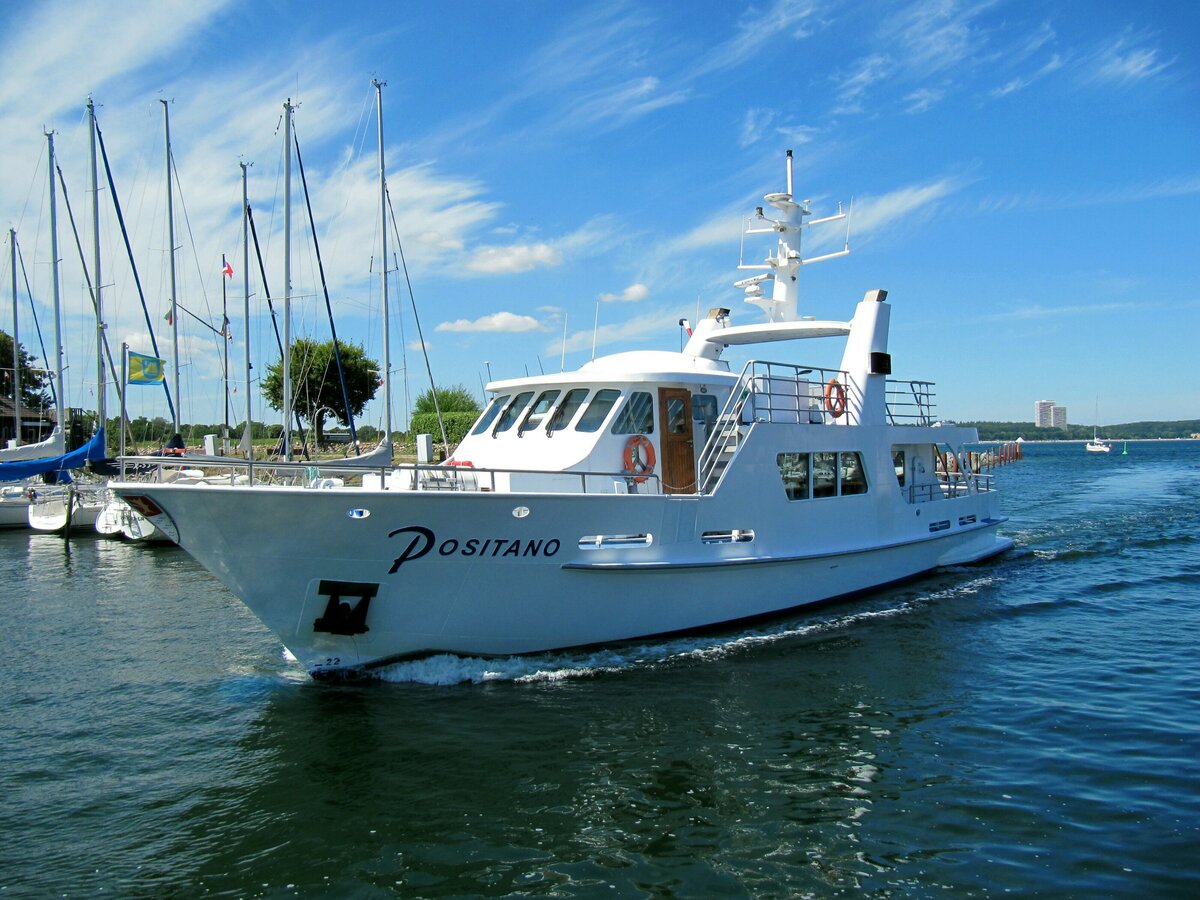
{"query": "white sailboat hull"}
[(53, 513), (14, 511), (460, 573)]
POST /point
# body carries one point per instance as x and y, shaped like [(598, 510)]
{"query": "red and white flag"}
[(228, 270)]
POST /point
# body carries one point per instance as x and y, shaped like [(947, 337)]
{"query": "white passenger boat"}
[(647, 493)]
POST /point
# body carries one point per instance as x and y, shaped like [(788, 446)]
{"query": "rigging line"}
[(270, 306), (337, 352), (36, 324), (420, 335), (29, 193), (91, 290), (112, 189), (191, 237)]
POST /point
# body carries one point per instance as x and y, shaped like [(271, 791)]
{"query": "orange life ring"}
[(835, 398), (639, 457)]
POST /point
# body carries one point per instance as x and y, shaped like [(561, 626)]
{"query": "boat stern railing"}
[(773, 393), (910, 402)]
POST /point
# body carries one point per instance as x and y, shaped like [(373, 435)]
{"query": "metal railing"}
[(777, 394), (403, 477), (910, 402)]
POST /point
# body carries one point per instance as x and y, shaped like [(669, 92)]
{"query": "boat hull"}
[(358, 578)]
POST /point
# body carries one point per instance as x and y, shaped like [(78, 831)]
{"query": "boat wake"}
[(446, 669)]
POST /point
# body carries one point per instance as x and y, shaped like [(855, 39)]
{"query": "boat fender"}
[(639, 457), (835, 398)]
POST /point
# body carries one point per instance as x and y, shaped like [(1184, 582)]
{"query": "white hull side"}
[(547, 593), (50, 514), (14, 512)]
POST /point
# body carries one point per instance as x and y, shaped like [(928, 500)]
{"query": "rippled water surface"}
[(1028, 726)]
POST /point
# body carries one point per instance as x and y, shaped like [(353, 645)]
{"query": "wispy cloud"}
[(760, 124), (496, 322), (1126, 60), (921, 100), (852, 87), (1021, 82), (875, 213), (1130, 193), (650, 325), (756, 29)]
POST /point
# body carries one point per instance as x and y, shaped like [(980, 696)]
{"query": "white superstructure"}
[(646, 493)]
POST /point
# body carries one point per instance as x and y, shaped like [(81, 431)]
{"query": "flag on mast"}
[(228, 270), (145, 369)]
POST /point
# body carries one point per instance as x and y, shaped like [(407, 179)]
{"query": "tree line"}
[(1131, 431)]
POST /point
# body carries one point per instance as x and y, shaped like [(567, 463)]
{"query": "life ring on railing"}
[(639, 457), (835, 398)]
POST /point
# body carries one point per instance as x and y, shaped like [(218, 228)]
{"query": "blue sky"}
[(1025, 178)]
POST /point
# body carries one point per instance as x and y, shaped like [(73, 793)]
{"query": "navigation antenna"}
[(784, 266)]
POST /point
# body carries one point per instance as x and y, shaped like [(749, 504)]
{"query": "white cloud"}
[(496, 322), (513, 258), (631, 294)]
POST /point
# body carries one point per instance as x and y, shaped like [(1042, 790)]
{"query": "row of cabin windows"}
[(636, 417), (826, 474)]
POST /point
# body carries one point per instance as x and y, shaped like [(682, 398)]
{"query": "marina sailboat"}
[(55, 508), (647, 493), (1095, 445)]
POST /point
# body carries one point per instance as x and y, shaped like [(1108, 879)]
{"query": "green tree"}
[(34, 383), (452, 399), (459, 409), (316, 391)]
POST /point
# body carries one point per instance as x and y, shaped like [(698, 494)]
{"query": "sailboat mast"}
[(248, 437), (101, 385), (58, 354), (171, 267), (225, 353), (12, 245), (287, 278), (383, 280)]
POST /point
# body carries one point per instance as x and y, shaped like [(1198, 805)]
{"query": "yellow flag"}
[(145, 369)]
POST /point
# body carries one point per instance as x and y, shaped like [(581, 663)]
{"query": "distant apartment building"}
[(1047, 415), (1043, 413)]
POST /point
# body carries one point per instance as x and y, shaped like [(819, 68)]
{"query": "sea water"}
[(1030, 726)]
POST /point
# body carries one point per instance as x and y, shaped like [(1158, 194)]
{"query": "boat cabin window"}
[(597, 411), (678, 420), (794, 469), (854, 476), (511, 412), (827, 474), (538, 411), (489, 414), (824, 474), (704, 409), (637, 417), (566, 410), (899, 466)]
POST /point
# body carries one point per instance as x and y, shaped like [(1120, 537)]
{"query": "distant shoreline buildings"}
[(1047, 415)]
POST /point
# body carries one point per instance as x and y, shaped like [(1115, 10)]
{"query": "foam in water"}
[(448, 669)]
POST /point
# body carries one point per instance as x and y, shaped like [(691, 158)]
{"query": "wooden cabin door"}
[(676, 447)]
